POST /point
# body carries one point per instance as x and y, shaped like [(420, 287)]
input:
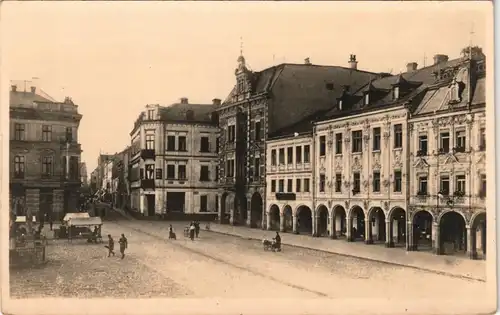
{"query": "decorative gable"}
[(450, 158), (421, 163)]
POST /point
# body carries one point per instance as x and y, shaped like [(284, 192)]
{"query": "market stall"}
[(81, 228)]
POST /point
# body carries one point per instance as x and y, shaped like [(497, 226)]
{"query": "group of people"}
[(111, 245), (194, 230)]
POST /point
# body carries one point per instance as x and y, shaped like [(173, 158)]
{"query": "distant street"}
[(218, 266)]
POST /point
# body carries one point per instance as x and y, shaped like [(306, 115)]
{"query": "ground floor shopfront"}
[(243, 208)]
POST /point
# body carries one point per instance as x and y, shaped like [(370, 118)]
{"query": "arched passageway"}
[(274, 215), (322, 220), (225, 210), (339, 225), (377, 228), (422, 231), (478, 234), (304, 220), (240, 210), (452, 234), (397, 228), (288, 218), (357, 225), (256, 211)]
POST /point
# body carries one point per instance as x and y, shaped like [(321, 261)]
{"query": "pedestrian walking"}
[(192, 231), (197, 228), (110, 246), (123, 245)]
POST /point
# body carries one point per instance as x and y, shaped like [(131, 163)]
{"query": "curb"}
[(364, 258)]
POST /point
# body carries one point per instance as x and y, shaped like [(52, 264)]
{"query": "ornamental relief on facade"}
[(398, 163), (338, 163), (356, 165)]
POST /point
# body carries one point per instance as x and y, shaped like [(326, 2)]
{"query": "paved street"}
[(220, 266)]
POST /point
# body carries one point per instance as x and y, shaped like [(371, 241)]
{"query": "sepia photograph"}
[(247, 157)]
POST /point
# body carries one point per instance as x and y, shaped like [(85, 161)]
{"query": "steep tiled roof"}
[(25, 98), (301, 127), (180, 113)]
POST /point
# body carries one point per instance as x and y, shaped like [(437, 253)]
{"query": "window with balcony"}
[(19, 166), (46, 133), (151, 114), (460, 184), (338, 143), (482, 139), (204, 173), (298, 155), (482, 191), (460, 141), (19, 132), (444, 185), (356, 183), (182, 143), (150, 142), (322, 145), (398, 136), (338, 182), (376, 181), (289, 155), (307, 154), (170, 143), (273, 185), (231, 133), (203, 203), (322, 182), (150, 171), (444, 142), (298, 183), (357, 141), (204, 145), (273, 157), (47, 162), (422, 145), (171, 171), (376, 134), (258, 128), (289, 185), (306, 185), (281, 185), (256, 166), (422, 185), (282, 156), (181, 169), (69, 134), (159, 173), (398, 181)]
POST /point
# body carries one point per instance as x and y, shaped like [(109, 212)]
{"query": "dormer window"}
[(151, 114), (240, 86), (340, 105), (395, 92), (367, 98), (455, 91)]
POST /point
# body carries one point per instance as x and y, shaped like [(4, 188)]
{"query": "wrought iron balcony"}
[(147, 154), (147, 183)]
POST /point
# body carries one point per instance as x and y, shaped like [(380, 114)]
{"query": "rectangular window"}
[(273, 185), (422, 185), (19, 133), (217, 151), (460, 140), (289, 153), (357, 141), (150, 171), (356, 183), (171, 171), (204, 145), (273, 157), (69, 134), (150, 142), (307, 156), (444, 185), (203, 203), (338, 143), (395, 93), (322, 145), (298, 187), (141, 173), (170, 143), (306, 185), (151, 115), (322, 180), (204, 173), (482, 192), (256, 166), (376, 181), (289, 185), (257, 131), (422, 145), (398, 181), (46, 133), (216, 174), (46, 166), (181, 169), (282, 156), (298, 155), (229, 168), (376, 138), (281, 185), (231, 130), (338, 182), (482, 139), (159, 173), (398, 136), (19, 166), (182, 143), (444, 142), (460, 183)]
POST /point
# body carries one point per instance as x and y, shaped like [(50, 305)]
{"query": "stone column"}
[(219, 211), (268, 223), (315, 225), (294, 218), (282, 222), (231, 219), (333, 226), (368, 231), (58, 204), (438, 250), (471, 243), (32, 207), (410, 246), (349, 230), (249, 212), (389, 232)]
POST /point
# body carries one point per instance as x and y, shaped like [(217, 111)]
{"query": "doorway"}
[(176, 201), (150, 201)]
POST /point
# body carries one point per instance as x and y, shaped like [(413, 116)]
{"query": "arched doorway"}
[(240, 210), (357, 224), (225, 211), (376, 230), (339, 228), (478, 233), (304, 220), (288, 218), (274, 214), (452, 234), (397, 228), (322, 223), (422, 231), (256, 211)]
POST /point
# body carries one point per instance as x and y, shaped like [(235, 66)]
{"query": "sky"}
[(113, 58)]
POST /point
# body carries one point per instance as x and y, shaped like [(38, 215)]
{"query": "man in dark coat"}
[(197, 228), (123, 245), (111, 245)]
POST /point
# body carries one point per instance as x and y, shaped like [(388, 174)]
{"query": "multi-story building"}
[(94, 187), (173, 167), (447, 173), (260, 104), (83, 174), (44, 154)]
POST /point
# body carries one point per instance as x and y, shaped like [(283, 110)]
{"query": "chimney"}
[(440, 58), (14, 88), (307, 61), (216, 101), (353, 64), (184, 100), (33, 89), (68, 100), (411, 66)]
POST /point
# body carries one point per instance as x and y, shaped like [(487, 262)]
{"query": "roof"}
[(179, 113), (304, 126), (26, 98), (72, 215), (85, 221), (22, 106)]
